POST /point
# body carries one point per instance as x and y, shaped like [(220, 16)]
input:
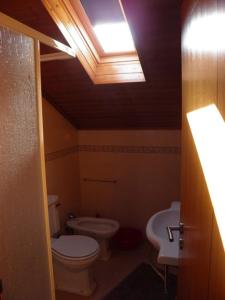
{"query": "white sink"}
[(156, 232)]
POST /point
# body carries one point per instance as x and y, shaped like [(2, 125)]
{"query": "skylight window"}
[(109, 26), (114, 37), (100, 33)]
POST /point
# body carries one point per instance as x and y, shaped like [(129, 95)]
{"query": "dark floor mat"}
[(143, 284)]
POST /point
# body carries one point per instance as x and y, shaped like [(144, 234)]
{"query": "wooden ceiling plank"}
[(155, 103), (123, 68), (13, 24), (119, 78)]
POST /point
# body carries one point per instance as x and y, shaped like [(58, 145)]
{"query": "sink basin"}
[(156, 232)]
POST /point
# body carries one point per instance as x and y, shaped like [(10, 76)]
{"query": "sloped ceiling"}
[(156, 103)]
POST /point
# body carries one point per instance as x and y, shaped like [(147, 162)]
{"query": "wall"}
[(25, 261), (202, 264), (141, 162), (62, 170), (145, 164)]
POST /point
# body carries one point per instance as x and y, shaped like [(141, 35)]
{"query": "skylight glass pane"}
[(109, 25), (103, 11), (114, 37)]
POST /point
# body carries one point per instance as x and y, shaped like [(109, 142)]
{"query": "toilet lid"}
[(75, 246)]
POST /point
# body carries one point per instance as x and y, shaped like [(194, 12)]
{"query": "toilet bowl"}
[(73, 256), (100, 229), (72, 260)]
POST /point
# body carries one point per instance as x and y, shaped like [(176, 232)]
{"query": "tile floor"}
[(109, 274)]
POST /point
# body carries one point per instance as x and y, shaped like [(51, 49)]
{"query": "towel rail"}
[(99, 180)]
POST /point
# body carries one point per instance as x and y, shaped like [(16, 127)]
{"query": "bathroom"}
[(111, 170), (120, 139), (135, 164)]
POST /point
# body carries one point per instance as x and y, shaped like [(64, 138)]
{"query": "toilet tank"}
[(53, 214)]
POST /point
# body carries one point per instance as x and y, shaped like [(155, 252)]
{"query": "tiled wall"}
[(62, 167), (128, 175)]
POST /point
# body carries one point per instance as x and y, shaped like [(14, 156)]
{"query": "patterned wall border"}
[(60, 153), (114, 149), (130, 149)]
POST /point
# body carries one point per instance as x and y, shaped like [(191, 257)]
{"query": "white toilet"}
[(73, 256), (98, 228)]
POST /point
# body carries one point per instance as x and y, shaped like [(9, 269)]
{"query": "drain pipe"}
[(164, 276)]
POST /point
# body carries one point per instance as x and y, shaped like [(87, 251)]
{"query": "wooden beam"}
[(71, 27), (17, 26), (55, 56)]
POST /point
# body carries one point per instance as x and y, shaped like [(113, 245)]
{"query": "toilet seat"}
[(75, 247)]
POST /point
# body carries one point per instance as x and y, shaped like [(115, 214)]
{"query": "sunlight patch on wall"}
[(206, 33), (208, 130)]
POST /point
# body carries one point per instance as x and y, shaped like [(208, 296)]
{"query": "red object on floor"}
[(127, 238)]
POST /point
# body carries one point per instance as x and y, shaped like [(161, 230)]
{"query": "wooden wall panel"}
[(202, 269), (221, 61), (25, 262), (217, 274), (197, 217), (217, 267), (199, 88)]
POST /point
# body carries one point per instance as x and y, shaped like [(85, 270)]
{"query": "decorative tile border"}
[(60, 153), (113, 149), (130, 149)]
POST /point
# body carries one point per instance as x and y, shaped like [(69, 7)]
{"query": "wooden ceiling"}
[(153, 104)]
